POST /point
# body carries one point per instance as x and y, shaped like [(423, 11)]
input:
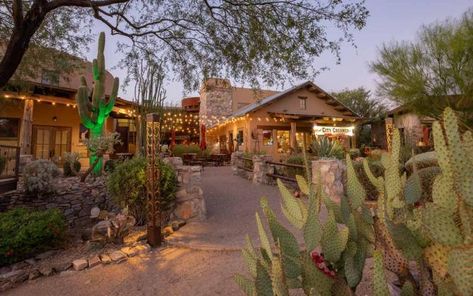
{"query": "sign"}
[(333, 130)]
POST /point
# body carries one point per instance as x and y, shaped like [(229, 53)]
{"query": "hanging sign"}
[(333, 130)]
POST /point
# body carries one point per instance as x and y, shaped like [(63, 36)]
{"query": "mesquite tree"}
[(94, 112), (268, 41)]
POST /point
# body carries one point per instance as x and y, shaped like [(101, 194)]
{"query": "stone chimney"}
[(215, 100)]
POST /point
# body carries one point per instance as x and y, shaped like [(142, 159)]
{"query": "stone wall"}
[(332, 173), (237, 163), (215, 98), (73, 198), (261, 168), (189, 197)]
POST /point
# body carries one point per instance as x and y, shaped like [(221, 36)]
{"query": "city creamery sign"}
[(333, 130)]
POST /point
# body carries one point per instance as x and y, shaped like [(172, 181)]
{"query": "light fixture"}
[(54, 118)]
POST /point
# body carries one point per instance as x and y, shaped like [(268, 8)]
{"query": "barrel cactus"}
[(94, 112)]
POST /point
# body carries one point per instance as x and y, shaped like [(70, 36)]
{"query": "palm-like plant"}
[(324, 148)]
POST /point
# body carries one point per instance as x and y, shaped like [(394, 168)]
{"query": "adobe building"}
[(43, 120), (270, 122)]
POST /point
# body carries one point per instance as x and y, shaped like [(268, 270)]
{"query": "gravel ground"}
[(204, 263)]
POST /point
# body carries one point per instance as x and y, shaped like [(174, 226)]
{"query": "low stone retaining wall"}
[(332, 173), (189, 197), (73, 198)]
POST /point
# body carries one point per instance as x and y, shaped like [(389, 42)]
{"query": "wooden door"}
[(123, 146), (51, 142)]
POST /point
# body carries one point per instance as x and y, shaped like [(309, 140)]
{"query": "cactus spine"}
[(93, 113)]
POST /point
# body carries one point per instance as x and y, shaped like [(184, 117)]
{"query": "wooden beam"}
[(26, 127)]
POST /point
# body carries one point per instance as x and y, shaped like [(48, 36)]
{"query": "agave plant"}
[(324, 148)]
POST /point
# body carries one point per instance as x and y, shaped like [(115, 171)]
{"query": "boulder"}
[(117, 256), (105, 259), (79, 264), (94, 261), (46, 270)]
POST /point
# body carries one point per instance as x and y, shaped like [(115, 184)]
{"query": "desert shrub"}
[(375, 155), (377, 169), (126, 184), (3, 162), (110, 165), (354, 153), (39, 177), (324, 148), (423, 160), (297, 159), (181, 149), (25, 233), (71, 166)]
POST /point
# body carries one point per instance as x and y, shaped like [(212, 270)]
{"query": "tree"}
[(149, 93), (433, 72), (359, 100), (246, 39)]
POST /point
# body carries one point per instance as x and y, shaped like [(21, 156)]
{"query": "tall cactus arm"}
[(82, 100), (113, 96)]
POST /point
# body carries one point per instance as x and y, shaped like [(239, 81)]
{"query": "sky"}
[(389, 20)]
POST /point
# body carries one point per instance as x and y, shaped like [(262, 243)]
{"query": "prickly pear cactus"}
[(436, 234), (335, 250), (93, 113)]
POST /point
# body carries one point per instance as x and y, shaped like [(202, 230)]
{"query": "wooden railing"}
[(11, 157), (245, 163), (285, 171)]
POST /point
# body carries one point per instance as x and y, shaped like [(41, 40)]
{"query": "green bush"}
[(25, 233), (181, 149), (39, 177), (297, 159), (110, 165), (71, 165), (378, 171), (3, 162), (354, 153), (126, 184)]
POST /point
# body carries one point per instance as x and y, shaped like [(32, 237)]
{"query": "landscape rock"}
[(15, 276), (19, 265), (79, 264), (62, 266), (31, 261), (34, 274), (94, 212), (45, 255), (46, 270), (105, 259), (168, 230), (130, 252), (5, 269), (117, 256), (142, 249), (94, 261)]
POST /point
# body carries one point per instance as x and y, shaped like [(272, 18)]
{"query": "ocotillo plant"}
[(94, 111)]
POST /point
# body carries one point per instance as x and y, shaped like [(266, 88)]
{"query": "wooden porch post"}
[(292, 136), (26, 127), (275, 143)]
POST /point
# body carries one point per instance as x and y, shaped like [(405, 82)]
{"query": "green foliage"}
[(179, 150), (377, 169), (324, 148), (294, 159), (110, 165), (39, 177), (126, 184), (354, 153), (431, 73), (71, 165), (359, 100), (25, 233), (93, 113), (278, 267)]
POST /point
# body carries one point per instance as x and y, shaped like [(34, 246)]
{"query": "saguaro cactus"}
[(94, 111)]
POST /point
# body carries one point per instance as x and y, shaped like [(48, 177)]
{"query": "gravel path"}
[(231, 206), (203, 260)]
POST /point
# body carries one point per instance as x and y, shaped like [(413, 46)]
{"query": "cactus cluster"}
[(94, 112), (71, 165), (433, 232), (332, 259)]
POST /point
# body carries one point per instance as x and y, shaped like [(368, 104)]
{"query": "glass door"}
[(50, 142)]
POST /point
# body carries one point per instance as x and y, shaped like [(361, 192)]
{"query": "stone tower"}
[(215, 100)]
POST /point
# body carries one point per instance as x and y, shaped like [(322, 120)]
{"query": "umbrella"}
[(173, 138)]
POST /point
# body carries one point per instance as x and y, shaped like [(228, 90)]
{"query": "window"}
[(240, 137), (9, 127), (303, 103), (283, 141), (50, 78), (267, 137)]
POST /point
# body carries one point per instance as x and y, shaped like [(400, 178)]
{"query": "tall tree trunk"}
[(19, 41)]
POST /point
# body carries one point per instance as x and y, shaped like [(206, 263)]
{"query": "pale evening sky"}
[(389, 20)]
